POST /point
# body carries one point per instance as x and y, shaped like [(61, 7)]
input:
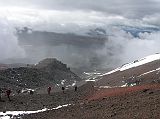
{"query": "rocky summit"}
[(47, 72)]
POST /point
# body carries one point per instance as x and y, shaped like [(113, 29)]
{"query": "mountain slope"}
[(104, 98), (145, 70)]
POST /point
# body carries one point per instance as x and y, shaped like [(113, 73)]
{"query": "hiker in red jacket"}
[(8, 92), (49, 90)]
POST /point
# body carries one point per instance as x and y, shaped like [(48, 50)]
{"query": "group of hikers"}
[(63, 89), (8, 92)]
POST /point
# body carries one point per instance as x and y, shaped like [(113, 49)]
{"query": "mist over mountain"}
[(76, 50), (97, 49)]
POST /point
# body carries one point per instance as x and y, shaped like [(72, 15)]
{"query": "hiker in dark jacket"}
[(63, 88), (75, 88), (31, 92), (8, 92), (49, 90)]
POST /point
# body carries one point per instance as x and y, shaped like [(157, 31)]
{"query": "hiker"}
[(31, 92), (8, 92), (75, 88), (63, 88), (49, 90)]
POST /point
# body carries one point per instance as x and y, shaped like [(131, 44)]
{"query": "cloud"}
[(126, 48), (152, 19), (127, 8), (55, 20), (9, 47)]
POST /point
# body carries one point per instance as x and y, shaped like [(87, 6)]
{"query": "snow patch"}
[(110, 72), (158, 69), (27, 90), (11, 114), (62, 82), (6, 117), (125, 85), (90, 80), (134, 84), (135, 63), (105, 87), (92, 75), (73, 84), (140, 62)]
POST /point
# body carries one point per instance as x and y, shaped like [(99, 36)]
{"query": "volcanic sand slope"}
[(142, 103), (92, 103), (40, 101)]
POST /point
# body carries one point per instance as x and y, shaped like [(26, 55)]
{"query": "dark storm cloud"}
[(127, 8)]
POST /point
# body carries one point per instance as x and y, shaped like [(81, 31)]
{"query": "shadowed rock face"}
[(47, 71)]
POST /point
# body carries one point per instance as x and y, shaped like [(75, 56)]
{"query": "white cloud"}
[(56, 20), (152, 19), (127, 8), (9, 47)]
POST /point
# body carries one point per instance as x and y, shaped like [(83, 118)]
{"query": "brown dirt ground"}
[(139, 102)]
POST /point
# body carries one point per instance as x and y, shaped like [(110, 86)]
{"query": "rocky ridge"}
[(47, 72)]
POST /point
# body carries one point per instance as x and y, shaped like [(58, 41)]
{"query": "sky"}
[(127, 8), (84, 12), (78, 17)]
